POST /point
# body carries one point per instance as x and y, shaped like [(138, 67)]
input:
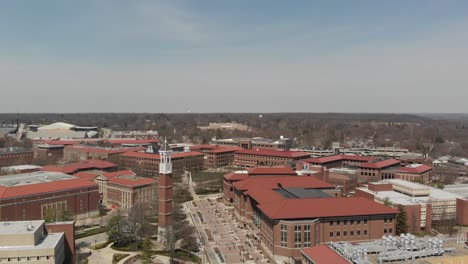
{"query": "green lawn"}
[(91, 232)]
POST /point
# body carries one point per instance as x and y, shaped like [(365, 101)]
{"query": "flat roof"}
[(21, 167), (50, 241), (33, 178), (20, 227)]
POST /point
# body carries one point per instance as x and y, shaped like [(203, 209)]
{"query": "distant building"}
[(337, 161), (225, 126), (267, 157), (149, 163), (32, 242), (254, 143), (153, 135), (15, 156), (216, 156), (378, 170), (122, 189), (39, 195), (61, 130)]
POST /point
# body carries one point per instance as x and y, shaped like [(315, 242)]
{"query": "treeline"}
[(436, 135)]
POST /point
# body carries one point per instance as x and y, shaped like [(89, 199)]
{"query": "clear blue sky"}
[(234, 56)]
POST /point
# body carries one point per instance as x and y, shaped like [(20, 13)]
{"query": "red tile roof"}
[(156, 156), (85, 165), (271, 182), (416, 170), (380, 164), (123, 177), (274, 153), (276, 170), (104, 150), (339, 158), (232, 176), (224, 150), (45, 187), (203, 146), (323, 207), (131, 141), (322, 254)]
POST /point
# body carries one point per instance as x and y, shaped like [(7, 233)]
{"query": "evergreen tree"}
[(147, 254), (401, 221)]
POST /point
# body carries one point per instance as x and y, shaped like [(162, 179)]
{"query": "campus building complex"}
[(254, 143), (290, 213), (267, 157), (15, 156)]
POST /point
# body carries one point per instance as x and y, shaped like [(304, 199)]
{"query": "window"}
[(385, 220), (338, 223), (365, 232), (345, 222), (331, 234), (351, 222), (358, 232), (351, 233), (284, 235), (331, 223), (297, 236), (307, 236), (358, 222), (365, 221), (385, 231), (338, 234), (345, 233), (390, 230)]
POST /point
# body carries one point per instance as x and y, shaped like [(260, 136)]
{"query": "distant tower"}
[(165, 195)]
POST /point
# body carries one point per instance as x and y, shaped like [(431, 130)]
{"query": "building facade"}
[(15, 156), (267, 157), (82, 153), (149, 163), (41, 195), (48, 154)]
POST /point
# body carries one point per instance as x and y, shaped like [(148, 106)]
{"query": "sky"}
[(234, 56)]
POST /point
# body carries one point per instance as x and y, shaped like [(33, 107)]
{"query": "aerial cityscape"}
[(301, 132)]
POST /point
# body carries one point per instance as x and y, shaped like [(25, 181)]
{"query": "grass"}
[(203, 176), (91, 232), (118, 257)]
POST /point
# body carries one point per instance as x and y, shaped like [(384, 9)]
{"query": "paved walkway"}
[(225, 241), (104, 255)]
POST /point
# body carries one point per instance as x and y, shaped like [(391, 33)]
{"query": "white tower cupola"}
[(165, 164)]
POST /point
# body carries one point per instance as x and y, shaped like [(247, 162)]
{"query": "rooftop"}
[(274, 153), (323, 207), (415, 168), (33, 178), (293, 193), (380, 164), (20, 227), (334, 158), (322, 254), (273, 170), (156, 156), (85, 165)]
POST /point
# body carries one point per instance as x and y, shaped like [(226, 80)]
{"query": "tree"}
[(387, 202), (147, 253), (401, 220)]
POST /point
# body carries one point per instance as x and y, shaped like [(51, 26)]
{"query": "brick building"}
[(15, 156), (48, 154), (267, 157), (122, 189), (337, 161), (378, 170), (415, 172), (149, 163), (423, 203), (256, 142), (153, 135), (80, 153), (216, 156), (290, 213), (37, 195)]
